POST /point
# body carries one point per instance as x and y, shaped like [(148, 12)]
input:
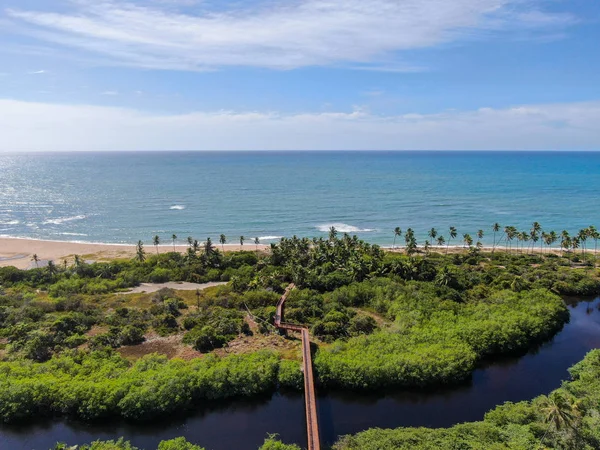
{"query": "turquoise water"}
[(124, 197)]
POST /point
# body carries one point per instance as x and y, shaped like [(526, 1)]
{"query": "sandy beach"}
[(18, 252)]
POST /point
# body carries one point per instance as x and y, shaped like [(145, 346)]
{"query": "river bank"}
[(243, 424)]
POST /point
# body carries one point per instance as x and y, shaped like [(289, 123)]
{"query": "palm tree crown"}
[(397, 233)]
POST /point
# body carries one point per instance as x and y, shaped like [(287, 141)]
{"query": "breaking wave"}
[(269, 238), (177, 207), (343, 228), (10, 222), (63, 220)]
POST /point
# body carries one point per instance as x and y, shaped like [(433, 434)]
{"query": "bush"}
[(102, 384), (179, 443), (131, 335), (206, 339), (290, 375)]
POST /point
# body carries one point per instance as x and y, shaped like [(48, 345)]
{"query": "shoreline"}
[(18, 251)]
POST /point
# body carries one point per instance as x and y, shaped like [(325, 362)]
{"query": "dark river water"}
[(243, 424)]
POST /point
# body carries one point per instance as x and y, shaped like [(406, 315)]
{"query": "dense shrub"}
[(101, 384), (437, 341), (290, 375), (519, 426)]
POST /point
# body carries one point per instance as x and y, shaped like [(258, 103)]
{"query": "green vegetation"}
[(379, 319), (271, 443), (434, 339), (102, 384), (568, 418)]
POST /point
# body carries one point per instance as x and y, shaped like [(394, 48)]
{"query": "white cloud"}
[(48, 127), (366, 35), (110, 93), (37, 72)]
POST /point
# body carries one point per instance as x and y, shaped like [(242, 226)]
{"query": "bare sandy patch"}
[(149, 288)]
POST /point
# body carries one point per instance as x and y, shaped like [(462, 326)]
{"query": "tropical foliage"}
[(379, 319), (568, 418), (101, 384)]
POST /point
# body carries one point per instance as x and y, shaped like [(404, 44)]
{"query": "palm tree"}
[(582, 236), (174, 237), (496, 228), (426, 247), (552, 238), (441, 241), (190, 255), (195, 246), (140, 254), (511, 233), (452, 234), (432, 234), (223, 241), (593, 232), (190, 241), (535, 231), (156, 241), (257, 241), (480, 234), (332, 234), (545, 240), (560, 412), (397, 233), (507, 230), (564, 236), (519, 239), (242, 239), (467, 240), (208, 247), (35, 259), (522, 237), (52, 269), (444, 277), (575, 242)]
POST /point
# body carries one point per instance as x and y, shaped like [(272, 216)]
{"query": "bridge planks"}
[(310, 399)]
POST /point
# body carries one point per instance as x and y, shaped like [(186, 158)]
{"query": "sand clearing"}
[(148, 288)]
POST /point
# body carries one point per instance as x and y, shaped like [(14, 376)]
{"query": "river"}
[(243, 424)]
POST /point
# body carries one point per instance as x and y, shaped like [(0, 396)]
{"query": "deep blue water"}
[(124, 197)]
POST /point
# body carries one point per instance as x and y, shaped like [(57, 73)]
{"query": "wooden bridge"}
[(310, 399)]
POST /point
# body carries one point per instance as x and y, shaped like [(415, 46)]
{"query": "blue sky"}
[(299, 74)]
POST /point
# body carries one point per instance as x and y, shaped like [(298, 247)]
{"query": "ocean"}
[(126, 197)]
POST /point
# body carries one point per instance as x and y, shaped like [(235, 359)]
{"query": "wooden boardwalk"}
[(310, 399)]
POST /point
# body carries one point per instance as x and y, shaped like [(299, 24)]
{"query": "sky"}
[(95, 75)]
